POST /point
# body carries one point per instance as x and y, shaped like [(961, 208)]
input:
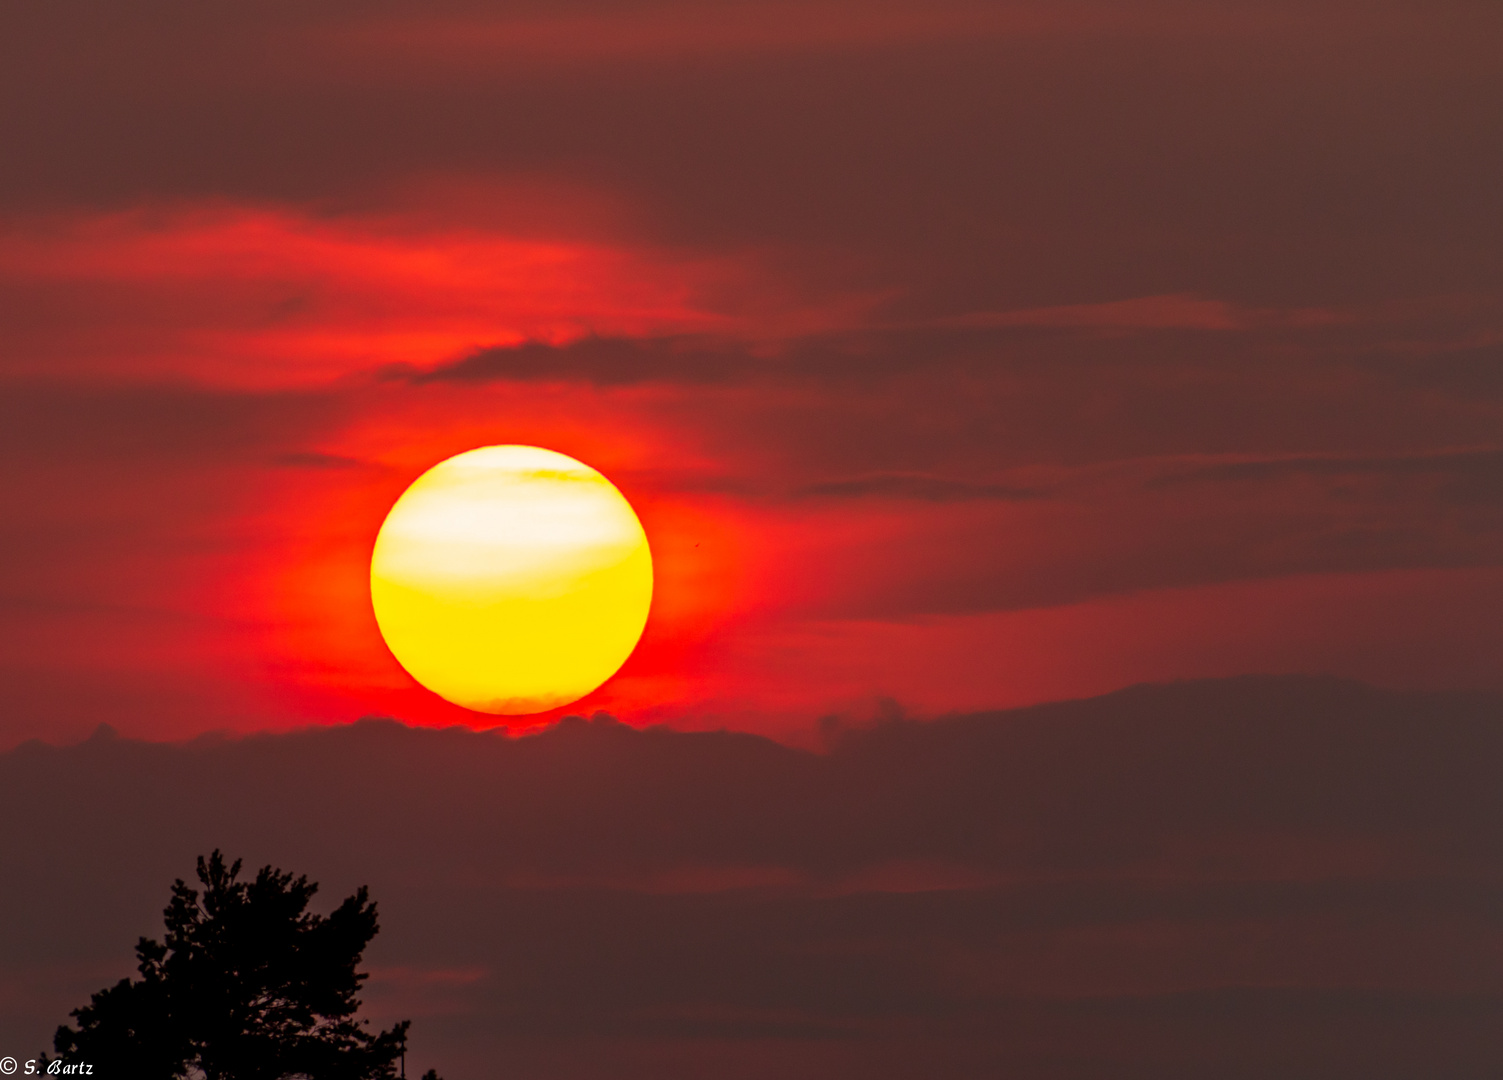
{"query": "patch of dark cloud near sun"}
[(845, 355), (603, 361), (862, 354), (916, 486)]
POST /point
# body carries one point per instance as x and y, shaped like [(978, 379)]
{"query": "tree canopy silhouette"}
[(246, 985)]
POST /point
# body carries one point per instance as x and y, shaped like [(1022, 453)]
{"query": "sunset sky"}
[(956, 357)]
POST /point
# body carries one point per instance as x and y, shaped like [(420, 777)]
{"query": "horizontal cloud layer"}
[(1293, 875)]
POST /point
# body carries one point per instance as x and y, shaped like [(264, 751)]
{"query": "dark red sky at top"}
[(955, 355)]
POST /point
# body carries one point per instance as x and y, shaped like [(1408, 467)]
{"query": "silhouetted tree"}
[(246, 985)]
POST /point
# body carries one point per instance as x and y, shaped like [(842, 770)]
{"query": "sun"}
[(511, 579)]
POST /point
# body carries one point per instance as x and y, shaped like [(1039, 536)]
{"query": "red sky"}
[(955, 355)]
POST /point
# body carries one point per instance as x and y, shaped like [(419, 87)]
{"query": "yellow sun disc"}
[(511, 579)]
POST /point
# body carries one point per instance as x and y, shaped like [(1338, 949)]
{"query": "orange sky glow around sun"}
[(908, 427), (790, 586)]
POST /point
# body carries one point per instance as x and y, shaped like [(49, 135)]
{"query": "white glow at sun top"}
[(506, 519)]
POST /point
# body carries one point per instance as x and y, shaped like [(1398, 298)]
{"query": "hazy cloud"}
[(1464, 476), (916, 486), (1077, 866)]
